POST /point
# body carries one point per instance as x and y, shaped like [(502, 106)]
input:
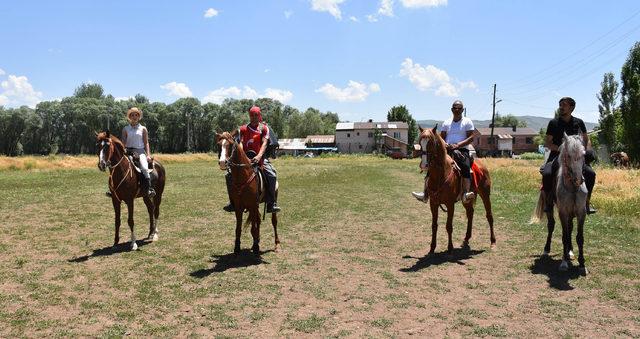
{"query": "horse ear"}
[(435, 128), (420, 128)]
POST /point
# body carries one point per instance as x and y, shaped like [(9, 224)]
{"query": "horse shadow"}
[(547, 265), (110, 250), (456, 256), (224, 262)]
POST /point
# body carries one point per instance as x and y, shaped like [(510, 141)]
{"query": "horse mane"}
[(572, 147)]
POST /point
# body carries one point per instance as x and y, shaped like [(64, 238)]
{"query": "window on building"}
[(513, 141), (360, 146), (490, 141), (358, 133), (396, 135), (370, 134), (348, 135), (529, 140)]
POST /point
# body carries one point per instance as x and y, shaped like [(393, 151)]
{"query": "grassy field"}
[(353, 262)]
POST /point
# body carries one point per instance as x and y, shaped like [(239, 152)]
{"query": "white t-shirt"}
[(457, 131), (134, 136)]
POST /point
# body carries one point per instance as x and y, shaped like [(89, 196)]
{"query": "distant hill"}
[(535, 123)]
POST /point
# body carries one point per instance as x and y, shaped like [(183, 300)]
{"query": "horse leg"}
[(434, 226), (156, 212), (134, 246), (566, 240), (450, 227), (153, 234), (116, 208), (274, 222), (571, 255), (255, 231), (486, 201), (551, 224), (580, 241), (236, 248), (469, 209)]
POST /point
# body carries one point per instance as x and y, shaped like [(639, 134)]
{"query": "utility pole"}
[(493, 116)]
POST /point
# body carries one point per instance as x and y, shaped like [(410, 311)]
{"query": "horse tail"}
[(538, 213), (251, 217)]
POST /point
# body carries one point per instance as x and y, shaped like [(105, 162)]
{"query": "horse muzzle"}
[(223, 165)]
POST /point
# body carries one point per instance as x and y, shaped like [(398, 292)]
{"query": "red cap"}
[(256, 110)]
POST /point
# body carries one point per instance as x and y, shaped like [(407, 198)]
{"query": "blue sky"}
[(354, 57)]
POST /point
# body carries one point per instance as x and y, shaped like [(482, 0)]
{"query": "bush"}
[(532, 156)]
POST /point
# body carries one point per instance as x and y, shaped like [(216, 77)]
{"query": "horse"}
[(124, 185), (246, 192), (570, 195), (620, 159), (444, 186)]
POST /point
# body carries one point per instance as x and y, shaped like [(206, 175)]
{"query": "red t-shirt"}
[(252, 138)]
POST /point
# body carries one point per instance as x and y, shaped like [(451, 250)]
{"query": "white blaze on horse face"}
[(102, 161), (423, 158), (223, 155)]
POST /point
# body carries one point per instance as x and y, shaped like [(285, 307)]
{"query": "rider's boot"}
[(273, 208), (467, 196), (229, 207), (590, 209), (147, 188), (424, 195)]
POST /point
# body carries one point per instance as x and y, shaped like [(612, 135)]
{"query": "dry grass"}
[(55, 162)]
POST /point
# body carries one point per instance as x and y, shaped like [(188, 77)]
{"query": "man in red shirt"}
[(255, 138)]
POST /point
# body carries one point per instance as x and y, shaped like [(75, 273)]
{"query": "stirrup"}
[(273, 209)]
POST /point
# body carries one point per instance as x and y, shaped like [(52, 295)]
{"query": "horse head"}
[(429, 147), (572, 159), (105, 149)]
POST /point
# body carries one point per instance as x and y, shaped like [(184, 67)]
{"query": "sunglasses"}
[(457, 108)]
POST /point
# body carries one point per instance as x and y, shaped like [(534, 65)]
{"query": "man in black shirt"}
[(566, 123)]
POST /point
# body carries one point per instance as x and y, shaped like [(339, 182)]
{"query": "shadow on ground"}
[(224, 262), (456, 256), (547, 265), (110, 250)]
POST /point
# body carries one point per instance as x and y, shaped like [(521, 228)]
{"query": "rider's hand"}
[(256, 159)]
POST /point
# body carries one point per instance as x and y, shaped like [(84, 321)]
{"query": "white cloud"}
[(281, 95), (423, 3), (123, 98), (17, 91), (354, 92), (386, 8), (372, 18), (2, 72), (354, 19), (217, 96), (266, 70), (431, 78), (330, 6), (210, 13), (177, 89), (288, 14)]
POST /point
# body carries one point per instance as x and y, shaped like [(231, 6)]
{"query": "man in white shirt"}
[(457, 132)]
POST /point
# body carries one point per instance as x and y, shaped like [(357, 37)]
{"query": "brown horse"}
[(124, 185), (444, 186), (620, 159), (246, 193)]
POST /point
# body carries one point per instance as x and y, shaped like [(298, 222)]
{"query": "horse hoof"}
[(493, 246), (134, 246), (153, 237), (564, 266), (545, 253), (256, 250), (571, 255), (583, 271), (277, 248)]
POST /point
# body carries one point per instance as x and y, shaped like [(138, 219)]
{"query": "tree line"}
[(186, 125), (620, 124)]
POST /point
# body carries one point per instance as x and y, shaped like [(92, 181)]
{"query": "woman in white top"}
[(136, 139)]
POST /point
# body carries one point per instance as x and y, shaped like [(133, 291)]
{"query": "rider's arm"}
[(466, 141), (145, 139), (548, 143), (124, 136)]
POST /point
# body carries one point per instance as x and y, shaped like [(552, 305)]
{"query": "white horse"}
[(570, 193)]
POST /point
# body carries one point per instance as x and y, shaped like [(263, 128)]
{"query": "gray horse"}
[(570, 195)]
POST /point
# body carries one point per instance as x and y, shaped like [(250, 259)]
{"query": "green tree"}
[(630, 104), (401, 113), (89, 91), (607, 108), (508, 121)]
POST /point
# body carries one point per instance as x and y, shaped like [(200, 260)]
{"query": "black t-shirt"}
[(557, 127)]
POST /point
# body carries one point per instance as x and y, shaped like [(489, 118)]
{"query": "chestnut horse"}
[(124, 185), (245, 192), (444, 186)]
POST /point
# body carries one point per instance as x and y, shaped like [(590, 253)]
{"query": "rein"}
[(129, 172)]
